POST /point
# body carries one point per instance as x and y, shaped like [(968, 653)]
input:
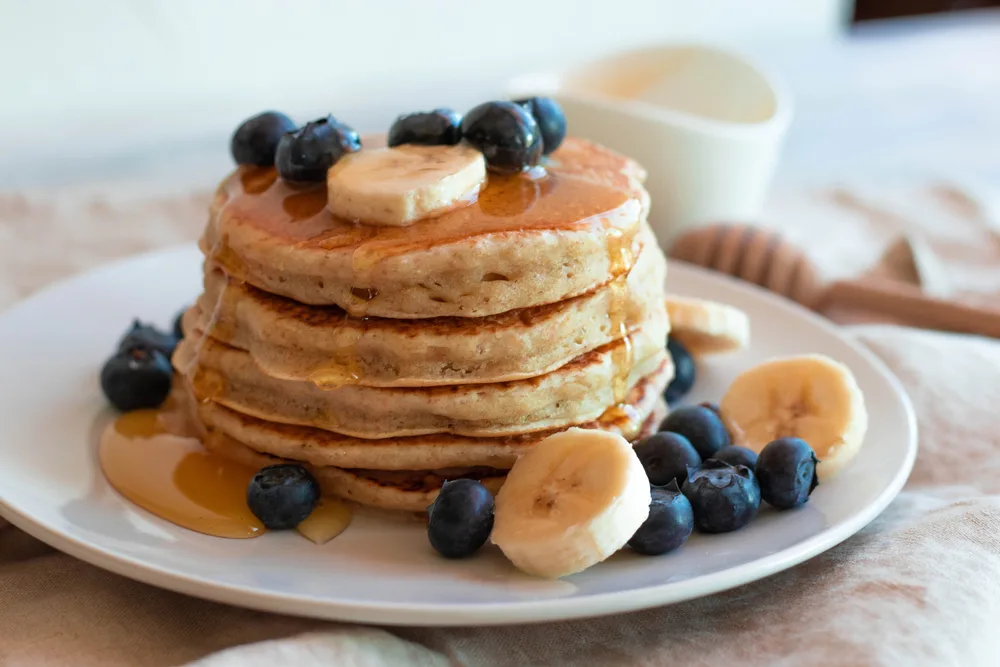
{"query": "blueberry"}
[(550, 118), (460, 519), (666, 457), (148, 337), (307, 154), (684, 372), (714, 407), (282, 495), (137, 378), (669, 524), (178, 328), (701, 426), (735, 455), (256, 140), (506, 134), (431, 128), (724, 497), (786, 470)]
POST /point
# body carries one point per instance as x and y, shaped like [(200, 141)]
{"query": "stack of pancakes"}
[(389, 359)]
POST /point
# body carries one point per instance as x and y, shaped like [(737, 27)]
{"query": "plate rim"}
[(484, 614)]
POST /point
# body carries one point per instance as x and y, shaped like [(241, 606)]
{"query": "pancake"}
[(292, 341), (399, 490), (576, 392), (528, 240), (410, 491)]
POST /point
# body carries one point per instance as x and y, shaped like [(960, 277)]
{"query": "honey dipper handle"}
[(909, 305)]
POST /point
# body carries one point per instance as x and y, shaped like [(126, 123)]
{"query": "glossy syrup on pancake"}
[(297, 214), (621, 257)]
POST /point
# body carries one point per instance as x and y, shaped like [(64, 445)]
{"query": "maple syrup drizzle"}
[(345, 367), (623, 417), (304, 204), (621, 258), (208, 383), (173, 477), (296, 213), (255, 180), (224, 256), (222, 319)]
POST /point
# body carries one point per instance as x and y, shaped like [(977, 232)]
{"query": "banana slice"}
[(707, 327), (811, 397), (573, 500), (398, 186)]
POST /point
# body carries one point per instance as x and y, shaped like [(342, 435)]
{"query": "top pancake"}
[(528, 240)]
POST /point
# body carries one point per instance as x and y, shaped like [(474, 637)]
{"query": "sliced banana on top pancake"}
[(811, 397), (707, 327), (398, 186), (572, 501)]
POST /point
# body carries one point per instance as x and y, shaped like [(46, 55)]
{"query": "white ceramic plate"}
[(51, 410)]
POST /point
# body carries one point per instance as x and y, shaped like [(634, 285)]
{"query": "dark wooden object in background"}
[(763, 257), (866, 10)]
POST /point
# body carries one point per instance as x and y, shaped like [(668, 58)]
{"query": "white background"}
[(150, 90)]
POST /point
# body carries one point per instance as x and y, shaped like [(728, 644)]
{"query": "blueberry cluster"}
[(723, 483), (506, 134), (701, 480), (138, 375), (512, 137), (298, 153), (698, 479)]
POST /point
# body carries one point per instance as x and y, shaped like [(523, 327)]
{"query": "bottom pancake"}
[(405, 491), (398, 490)]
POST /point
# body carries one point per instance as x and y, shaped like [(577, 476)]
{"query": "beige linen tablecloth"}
[(919, 586)]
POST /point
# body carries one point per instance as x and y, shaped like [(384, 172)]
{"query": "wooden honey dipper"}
[(765, 258)]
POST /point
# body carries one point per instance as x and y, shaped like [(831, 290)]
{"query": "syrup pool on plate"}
[(148, 458), (173, 477)]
